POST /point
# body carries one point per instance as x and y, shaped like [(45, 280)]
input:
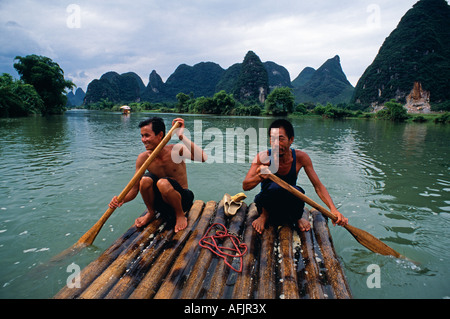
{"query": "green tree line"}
[(40, 89), (280, 102)]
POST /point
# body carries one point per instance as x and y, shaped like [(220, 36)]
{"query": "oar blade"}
[(371, 242), (364, 238)]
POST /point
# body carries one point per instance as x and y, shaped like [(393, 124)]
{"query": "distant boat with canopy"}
[(125, 109)]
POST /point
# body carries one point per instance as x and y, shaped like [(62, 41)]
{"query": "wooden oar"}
[(364, 238), (88, 238)]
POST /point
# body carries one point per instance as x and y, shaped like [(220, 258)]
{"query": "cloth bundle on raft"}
[(155, 262)]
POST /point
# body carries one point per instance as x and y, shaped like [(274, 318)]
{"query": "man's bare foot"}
[(304, 225), (181, 223), (259, 223), (144, 220)]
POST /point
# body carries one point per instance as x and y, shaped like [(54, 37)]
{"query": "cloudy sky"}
[(90, 38)]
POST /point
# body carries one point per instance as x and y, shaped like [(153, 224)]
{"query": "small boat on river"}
[(155, 262), (126, 110)]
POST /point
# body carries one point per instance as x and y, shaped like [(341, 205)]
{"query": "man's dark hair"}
[(157, 125), (284, 124)]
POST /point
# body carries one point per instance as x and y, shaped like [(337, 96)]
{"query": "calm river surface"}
[(58, 174)]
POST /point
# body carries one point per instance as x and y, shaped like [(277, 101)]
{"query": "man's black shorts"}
[(167, 212), (282, 206)]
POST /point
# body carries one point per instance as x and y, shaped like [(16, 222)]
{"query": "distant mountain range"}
[(415, 55), (327, 84), (76, 99)]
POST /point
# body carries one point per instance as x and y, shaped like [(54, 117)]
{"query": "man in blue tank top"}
[(275, 204)]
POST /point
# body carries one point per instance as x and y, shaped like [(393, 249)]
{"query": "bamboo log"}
[(287, 268), (94, 269), (148, 286), (128, 282), (301, 280), (335, 273), (243, 288), (267, 276), (196, 279), (132, 277), (99, 287), (180, 268), (158, 266), (312, 272), (222, 270)]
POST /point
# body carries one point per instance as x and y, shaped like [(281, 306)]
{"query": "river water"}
[(59, 173)]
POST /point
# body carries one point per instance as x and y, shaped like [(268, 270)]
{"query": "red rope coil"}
[(210, 242)]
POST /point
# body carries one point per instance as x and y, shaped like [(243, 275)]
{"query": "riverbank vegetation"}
[(40, 89), (280, 102)]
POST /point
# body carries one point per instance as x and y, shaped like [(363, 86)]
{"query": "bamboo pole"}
[(222, 270), (128, 282), (335, 273), (312, 272), (89, 237), (180, 268), (149, 285), (194, 283), (300, 269), (287, 268), (243, 288), (267, 276)]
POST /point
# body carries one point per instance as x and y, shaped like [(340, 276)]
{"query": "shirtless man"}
[(276, 205), (164, 187)]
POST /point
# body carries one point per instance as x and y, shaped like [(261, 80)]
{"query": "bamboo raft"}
[(155, 262)]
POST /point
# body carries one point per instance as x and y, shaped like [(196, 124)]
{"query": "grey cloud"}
[(140, 36)]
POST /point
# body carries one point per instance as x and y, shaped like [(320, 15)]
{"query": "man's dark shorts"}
[(166, 211), (282, 206)]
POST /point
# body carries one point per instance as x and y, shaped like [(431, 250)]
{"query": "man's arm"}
[(320, 189), (254, 176), (252, 179), (189, 150)]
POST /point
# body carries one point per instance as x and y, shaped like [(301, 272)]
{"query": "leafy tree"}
[(280, 101), (204, 105), (319, 109), (47, 78), (393, 111), (18, 98), (301, 108), (224, 103), (333, 112), (243, 110), (182, 105)]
